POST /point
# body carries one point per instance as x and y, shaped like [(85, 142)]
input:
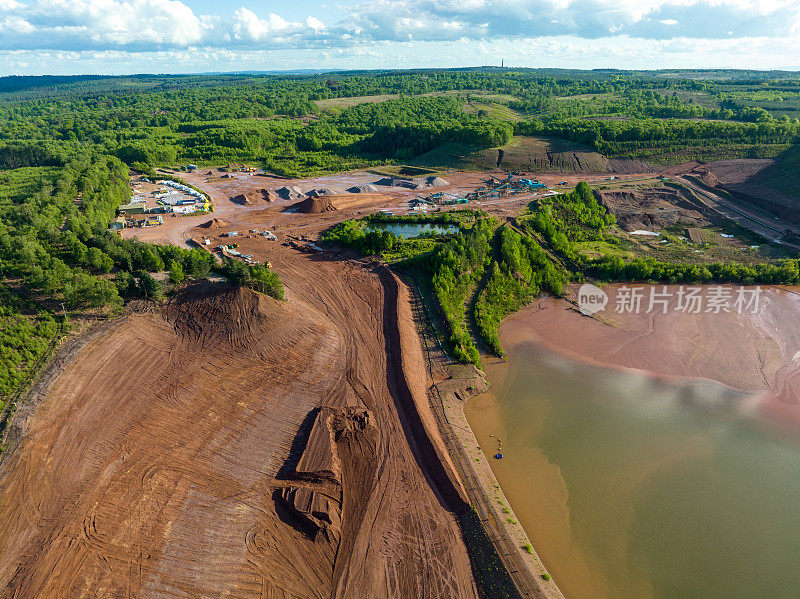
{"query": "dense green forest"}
[(277, 121), (67, 143)]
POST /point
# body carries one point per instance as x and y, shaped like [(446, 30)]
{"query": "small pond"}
[(408, 230)]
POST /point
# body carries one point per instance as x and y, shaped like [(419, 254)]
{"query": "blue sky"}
[(179, 36)]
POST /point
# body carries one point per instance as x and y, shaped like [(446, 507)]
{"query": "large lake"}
[(634, 487)]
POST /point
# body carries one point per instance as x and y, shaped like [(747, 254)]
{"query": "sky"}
[(194, 36)]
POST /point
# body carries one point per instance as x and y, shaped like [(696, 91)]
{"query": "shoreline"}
[(753, 356), (448, 395), (480, 464)]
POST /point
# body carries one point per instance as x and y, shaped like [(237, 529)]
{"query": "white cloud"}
[(248, 26), (586, 18), (76, 24), (315, 24), (17, 25), (141, 26), (558, 51)]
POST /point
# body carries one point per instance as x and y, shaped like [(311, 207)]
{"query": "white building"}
[(185, 209)]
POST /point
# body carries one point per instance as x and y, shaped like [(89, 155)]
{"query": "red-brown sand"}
[(757, 351)]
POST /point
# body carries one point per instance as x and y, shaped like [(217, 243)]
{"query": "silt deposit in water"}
[(635, 487)]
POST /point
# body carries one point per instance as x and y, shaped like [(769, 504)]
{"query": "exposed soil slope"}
[(233, 445), (528, 154), (651, 208), (769, 184)]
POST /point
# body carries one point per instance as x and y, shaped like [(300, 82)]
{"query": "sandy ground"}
[(232, 445), (176, 229), (754, 351)]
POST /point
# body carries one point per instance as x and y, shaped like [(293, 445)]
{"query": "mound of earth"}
[(732, 172), (290, 192), (708, 178), (215, 223), (252, 197), (173, 419), (651, 208), (368, 188), (226, 176), (436, 182), (313, 205), (231, 445)]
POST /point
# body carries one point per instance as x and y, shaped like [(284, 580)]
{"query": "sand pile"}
[(313, 205), (215, 223), (252, 197), (368, 188), (321, 191), (290, 192), (398, 182), (437, 182)]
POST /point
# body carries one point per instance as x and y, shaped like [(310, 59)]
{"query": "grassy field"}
[(341, 103), (674, 246), (694, 97), (497, 111), (482, 98), (337, 104)]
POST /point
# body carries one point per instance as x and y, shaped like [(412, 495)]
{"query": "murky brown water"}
[(633, 487)]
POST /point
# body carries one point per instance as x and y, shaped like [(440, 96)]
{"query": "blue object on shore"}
[(499, 456)]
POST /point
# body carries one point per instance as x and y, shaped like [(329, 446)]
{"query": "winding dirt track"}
[(232, 445)]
